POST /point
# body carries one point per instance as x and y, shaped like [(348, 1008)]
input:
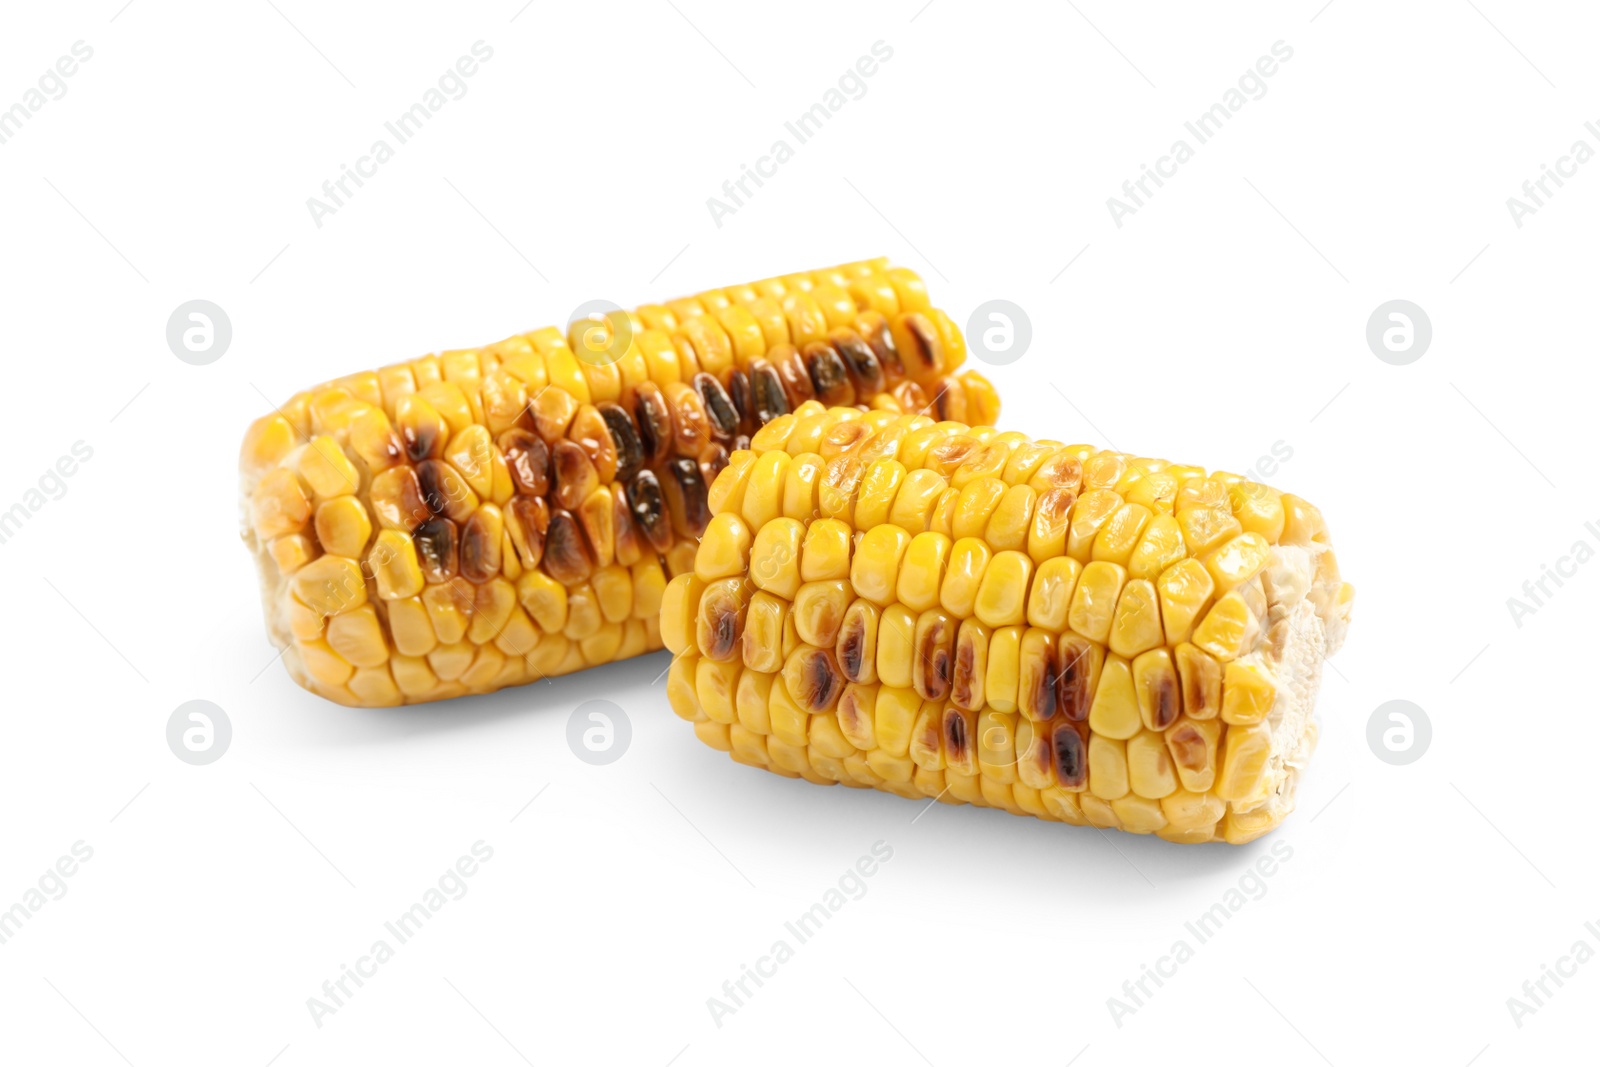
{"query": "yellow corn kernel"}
[(1089, 514), (997, 746), (1258, 508), (545, 599), (875, 569), (1247, 695), (613, 590), (896, 646), (876, 495), (922, 571), (825, 551), (357, 637), (1064, 806), (649, 584), (761, 645), (1229, 629), (393, 563), (681, 689), (715, 684), (1150, 771), (1160, 547), (1120, 534), (1302, 524), (1050, 596), (763, 492), (724, 548), (1156, 490), (342, 526), (1238, 560), (326, 469), (1206, 528), (1187, 810), (1002, 595), (914, 503), (1136, 625), (1114, 711), (291, 553), (751, 700), (323, 664), (330, 585), (927, 737), (963, 576), (974, 504), (894, 713), (1011, 520), (448, 605), (279, 505), (1004, 673), (1245, 757), (1185, 589), (491, 610), (1094, 600), (1108, 767), (410, 628), (775, 557)]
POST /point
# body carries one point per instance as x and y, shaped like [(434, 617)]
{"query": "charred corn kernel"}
[(856, 647), (1201, 678), (533, 462), (1155, 684), (970, 667), (1110, 659), (1094, 600), (1245, 757), (819, 609), (1247, 695), (1078, 664), (1003, 591), (1136, 624), (1037, 673)]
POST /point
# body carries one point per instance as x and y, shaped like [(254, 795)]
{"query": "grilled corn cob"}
[(488, 517), (958, 613)]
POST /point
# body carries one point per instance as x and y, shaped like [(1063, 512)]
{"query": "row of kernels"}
[(351, 676)]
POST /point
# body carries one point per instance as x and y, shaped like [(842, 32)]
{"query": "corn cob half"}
[(488, 517), (959, 613)]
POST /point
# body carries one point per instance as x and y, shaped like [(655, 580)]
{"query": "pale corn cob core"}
[(488, 517), (943, 611)]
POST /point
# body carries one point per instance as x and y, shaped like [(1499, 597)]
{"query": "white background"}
[(1227, 315)]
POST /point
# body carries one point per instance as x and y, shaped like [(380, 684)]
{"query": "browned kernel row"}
[(481, 518), (942, 611)]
